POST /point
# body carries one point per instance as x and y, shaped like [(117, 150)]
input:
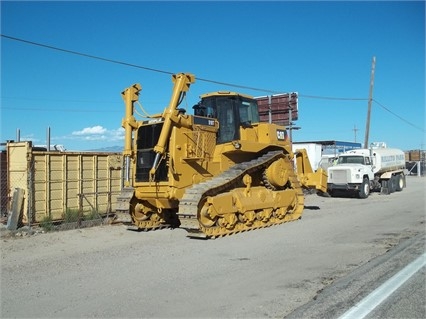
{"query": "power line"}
[(113, 111), (55, 100), (402, 119), (85, 54), (161, 71), (42, 109), (333, 98), (200, 79)]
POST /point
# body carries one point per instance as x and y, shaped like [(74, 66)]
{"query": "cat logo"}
[(281, 135)]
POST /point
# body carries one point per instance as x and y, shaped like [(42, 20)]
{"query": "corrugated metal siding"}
[(59, 181)]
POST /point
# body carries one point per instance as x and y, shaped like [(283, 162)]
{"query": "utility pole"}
[(370, 100), (355, 130)]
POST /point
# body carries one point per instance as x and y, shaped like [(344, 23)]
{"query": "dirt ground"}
[(111, 272)]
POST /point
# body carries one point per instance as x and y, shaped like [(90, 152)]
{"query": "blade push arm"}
[(129, 95), (182, 82)]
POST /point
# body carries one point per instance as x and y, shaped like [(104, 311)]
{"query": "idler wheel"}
[(204, 216), (140, 212), (277, 173)]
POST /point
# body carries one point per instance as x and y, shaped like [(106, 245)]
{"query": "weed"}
[(47, 223), (93, 214), (71, 215)]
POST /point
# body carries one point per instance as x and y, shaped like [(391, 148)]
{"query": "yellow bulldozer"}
[(217, 172)]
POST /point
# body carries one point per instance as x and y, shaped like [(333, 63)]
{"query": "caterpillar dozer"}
[(217, 172)]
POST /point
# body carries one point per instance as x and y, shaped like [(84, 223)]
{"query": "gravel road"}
[(112, 272)]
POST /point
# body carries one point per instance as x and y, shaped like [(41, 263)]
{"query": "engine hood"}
[(347, 167)]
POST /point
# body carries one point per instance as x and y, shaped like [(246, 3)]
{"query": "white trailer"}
[(314, 151), (364, 170)]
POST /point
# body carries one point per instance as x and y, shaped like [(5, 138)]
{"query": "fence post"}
[(30, 190), (109, 204), (80, 209)]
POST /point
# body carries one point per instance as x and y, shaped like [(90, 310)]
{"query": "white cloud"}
[(29, 137), (97, 133), (95, 130), (117, 135)]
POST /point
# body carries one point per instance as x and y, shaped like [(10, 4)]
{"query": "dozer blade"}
[(317, 180), (309, 178)]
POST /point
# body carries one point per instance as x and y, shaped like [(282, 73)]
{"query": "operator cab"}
[(232, 110)]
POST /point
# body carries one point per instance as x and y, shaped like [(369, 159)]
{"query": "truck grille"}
[(341, 176)]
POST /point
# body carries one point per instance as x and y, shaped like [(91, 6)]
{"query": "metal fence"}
[(4, 198), (416, 168), (75, 188)]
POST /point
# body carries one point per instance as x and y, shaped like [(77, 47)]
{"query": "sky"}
[(321, 50)]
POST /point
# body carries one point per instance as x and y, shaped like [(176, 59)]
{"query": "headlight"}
[(237, 145), (357, 176)]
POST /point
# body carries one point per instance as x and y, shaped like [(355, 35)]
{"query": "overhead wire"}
[(43, 109), (84, 54), (160, 71), (201, 79), (333, 98), (394, 114)]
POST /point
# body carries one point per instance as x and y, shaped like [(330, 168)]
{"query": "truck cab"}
[(327, 161), (353, 172)]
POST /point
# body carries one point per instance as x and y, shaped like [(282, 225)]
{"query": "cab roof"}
[(226, 93)]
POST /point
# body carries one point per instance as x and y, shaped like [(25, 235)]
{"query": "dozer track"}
[(232, 180)]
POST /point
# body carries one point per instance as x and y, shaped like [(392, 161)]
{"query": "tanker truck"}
[(362, 171)]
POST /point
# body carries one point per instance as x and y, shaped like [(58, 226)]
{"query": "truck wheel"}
[(392, 184), (365, 188), (399, 183)]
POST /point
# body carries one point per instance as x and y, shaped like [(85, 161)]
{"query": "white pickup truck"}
[(361, 171)]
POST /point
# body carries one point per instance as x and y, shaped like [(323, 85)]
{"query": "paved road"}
[(277, 272), (376, 289)]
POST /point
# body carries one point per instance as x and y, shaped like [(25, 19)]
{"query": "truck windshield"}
[(351, 160)]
